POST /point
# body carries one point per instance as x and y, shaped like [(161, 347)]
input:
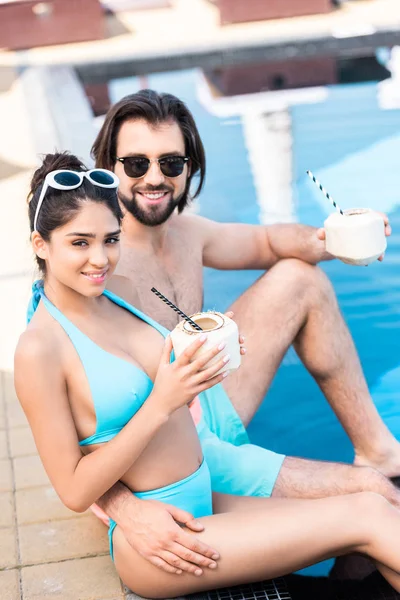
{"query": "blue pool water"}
[(354, 148)]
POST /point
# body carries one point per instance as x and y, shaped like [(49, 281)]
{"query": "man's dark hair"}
[(154, 108)]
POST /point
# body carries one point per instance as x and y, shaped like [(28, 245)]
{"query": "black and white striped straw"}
[(176, 309), (323, 190)]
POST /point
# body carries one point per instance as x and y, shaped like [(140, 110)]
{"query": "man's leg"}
[(249, 470), (294, 303), (301, 478)]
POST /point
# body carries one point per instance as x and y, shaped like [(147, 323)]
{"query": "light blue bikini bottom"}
[(192, 494)]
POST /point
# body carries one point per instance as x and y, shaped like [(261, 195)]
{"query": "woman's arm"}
[(42, 390)]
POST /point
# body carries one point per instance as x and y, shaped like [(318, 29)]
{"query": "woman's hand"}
[(177, 383), (243, 350)]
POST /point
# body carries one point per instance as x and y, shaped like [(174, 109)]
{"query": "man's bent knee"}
[(305, 275)]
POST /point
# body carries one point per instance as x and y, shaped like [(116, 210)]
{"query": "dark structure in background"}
[(272, 76), (238, 11), (98, 95), (28, 23), (294, 74), (260, 77)]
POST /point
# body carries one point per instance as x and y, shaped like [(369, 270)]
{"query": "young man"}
[(152, 143)]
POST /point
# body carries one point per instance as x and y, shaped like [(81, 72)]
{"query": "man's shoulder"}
[(192, 224)]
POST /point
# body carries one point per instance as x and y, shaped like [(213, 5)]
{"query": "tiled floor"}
[(46, 551)]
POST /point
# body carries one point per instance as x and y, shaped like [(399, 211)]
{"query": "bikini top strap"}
[(79, 339), (138, 313), (72, 331), (37, 292)]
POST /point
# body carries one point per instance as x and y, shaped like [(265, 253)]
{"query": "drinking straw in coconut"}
[(323, 190), (176, 309)]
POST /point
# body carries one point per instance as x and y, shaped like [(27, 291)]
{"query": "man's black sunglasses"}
[(137, 166)]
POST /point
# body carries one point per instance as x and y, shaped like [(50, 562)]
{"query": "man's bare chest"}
[(176, 275)]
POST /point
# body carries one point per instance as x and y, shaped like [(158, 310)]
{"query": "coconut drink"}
[(218, 328), (357, 237)]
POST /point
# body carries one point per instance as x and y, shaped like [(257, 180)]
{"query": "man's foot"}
[(387, 463)]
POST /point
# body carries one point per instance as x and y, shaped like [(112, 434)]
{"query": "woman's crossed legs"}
[(260, 538)]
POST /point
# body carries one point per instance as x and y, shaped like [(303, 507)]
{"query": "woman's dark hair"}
[(154, 108), (60, 206)]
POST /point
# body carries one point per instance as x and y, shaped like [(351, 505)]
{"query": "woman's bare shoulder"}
[(39, 343), (36, 344), (38, 365)]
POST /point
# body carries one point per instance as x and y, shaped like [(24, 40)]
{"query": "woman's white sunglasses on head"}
[(64, 179)]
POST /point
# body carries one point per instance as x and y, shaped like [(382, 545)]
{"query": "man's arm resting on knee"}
[(240, 246), (153, 529)]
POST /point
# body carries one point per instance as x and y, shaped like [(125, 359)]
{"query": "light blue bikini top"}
[(118, 387)]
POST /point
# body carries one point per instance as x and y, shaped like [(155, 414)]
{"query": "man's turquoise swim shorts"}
[(236, 466)]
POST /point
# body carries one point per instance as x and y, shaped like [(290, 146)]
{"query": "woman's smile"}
[(96, 277)]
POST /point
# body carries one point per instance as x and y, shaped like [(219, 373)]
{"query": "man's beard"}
[(152, 215)]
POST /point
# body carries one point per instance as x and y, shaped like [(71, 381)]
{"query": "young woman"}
[(105, 403)]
